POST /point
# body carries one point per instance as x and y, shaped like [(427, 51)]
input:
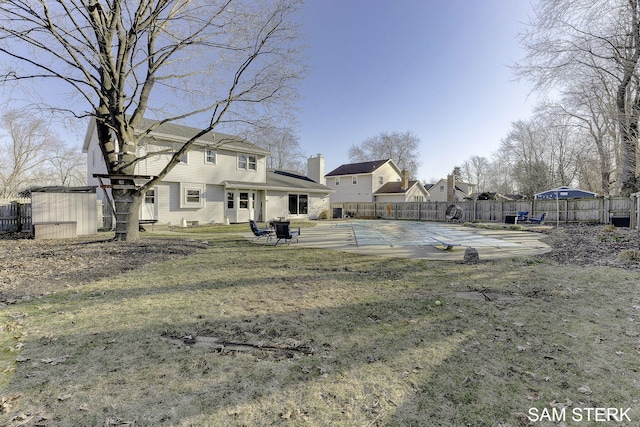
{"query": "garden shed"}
[(63, 212), (564, 193)]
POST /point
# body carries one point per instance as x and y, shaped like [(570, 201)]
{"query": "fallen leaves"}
[(55, 360), (7, 403), (585, 389)]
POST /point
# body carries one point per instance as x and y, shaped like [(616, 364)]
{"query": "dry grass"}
[(318, 338), (631, 255)]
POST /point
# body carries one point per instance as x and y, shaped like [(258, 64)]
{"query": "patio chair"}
[(284, 232), (260, 232), (539, 219), (523, 216)]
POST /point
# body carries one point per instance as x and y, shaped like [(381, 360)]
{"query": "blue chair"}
[(539, 219), (260, 232), (522, 216), (284, 232)]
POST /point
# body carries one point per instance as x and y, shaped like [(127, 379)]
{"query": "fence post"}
[(19, 216)]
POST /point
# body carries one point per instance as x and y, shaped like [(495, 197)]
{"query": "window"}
[(337, 181), (193, 196), (354, 179), (229, 200), (244, 201), (380, 180), (210, 157), (247, 162), (242, 161), (150, 196), (442, 188), (184, 159), (298, 204), (252, 163)]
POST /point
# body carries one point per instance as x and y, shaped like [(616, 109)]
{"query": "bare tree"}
[(23, 152), (560, 142), (67, 166), (284, 146), (593, 119), (523, 150), (401, 147), (475, 170), (582, 40), (209, 61)]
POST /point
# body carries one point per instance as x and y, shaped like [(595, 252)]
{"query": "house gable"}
[(357, 182), (438, 191), (393, 191)]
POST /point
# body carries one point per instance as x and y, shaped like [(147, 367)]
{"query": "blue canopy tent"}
[(564, 193)]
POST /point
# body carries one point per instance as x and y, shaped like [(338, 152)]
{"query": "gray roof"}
[(283, 181), (173, 131), (358, 168), (394, 187)]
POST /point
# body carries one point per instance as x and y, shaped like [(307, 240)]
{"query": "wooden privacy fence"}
[(15, 215), (596, 210)]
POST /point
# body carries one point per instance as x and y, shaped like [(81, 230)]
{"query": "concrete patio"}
[(416, 239)]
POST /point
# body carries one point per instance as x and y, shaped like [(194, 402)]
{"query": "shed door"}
[(149, 206)]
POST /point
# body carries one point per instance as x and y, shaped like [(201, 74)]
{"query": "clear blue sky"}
[(437, 68)]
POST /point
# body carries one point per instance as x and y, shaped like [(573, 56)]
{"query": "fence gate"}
[(15, 216)]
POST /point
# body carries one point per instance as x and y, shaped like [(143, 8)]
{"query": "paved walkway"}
[(416, 239)]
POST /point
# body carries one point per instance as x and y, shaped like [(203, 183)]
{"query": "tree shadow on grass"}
[(134, 373)]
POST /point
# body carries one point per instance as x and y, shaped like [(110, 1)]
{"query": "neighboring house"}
[(376, 181), (449, 190), (564, 193), (215, 183)]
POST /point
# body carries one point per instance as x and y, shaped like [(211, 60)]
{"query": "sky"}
[(437, 68)]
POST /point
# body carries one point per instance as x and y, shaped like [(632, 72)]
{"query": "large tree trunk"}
[(628, 178), (127, 205)]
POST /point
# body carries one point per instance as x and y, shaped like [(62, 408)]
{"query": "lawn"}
[(256, 335)]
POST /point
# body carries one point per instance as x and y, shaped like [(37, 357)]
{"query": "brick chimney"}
[(451, 188), (405, 180), (315, 168)]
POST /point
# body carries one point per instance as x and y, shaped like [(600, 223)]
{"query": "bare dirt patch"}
[(31, 268), (592, 245)]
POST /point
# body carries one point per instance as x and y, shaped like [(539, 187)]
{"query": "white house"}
[(449, 190), (376, 181), (221, 179)]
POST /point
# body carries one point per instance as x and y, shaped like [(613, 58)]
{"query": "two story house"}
[(222, 179), (375, 181)]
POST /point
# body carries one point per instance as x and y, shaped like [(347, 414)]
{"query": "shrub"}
[(631, 255), (610, 228), (324, 214)]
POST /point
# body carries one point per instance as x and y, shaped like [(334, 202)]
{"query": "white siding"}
[(317, 204), (169, 211), (95, 161), (390, 198), (388, 174), (198, 170), (277, 205), (80, 208), (366, 186)]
